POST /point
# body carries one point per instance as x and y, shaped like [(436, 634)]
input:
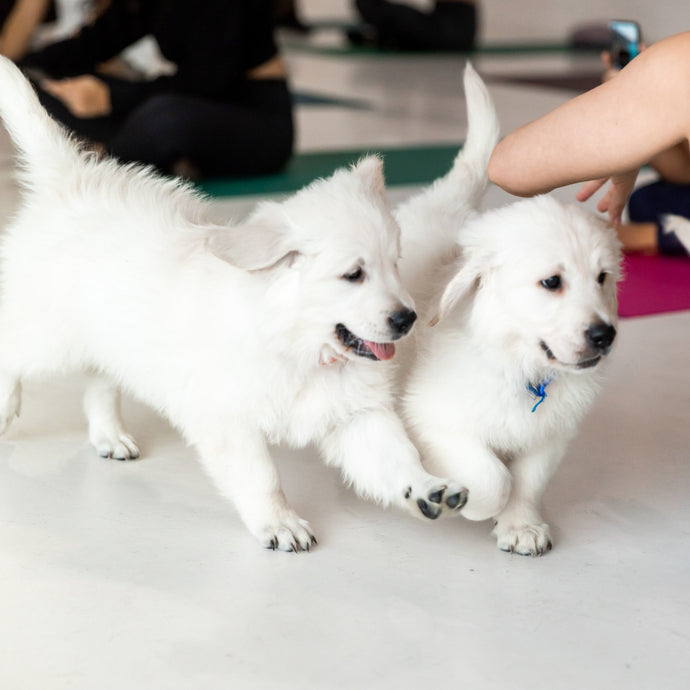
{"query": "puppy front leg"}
[(243, 471), (378, 459), (520, 527), (106, 430), (467, 459)]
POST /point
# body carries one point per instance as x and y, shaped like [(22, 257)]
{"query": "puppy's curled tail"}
[(457, 194), (44, 149), (431, 220), (482, 136)]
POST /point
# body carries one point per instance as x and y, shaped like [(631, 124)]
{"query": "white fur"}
[(227, 331), (467, 399)]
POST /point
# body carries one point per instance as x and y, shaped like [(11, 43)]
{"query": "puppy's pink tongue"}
[(382, 351)]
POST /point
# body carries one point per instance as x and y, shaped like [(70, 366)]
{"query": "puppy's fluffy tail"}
[(431, 221), (470, 167), (44, 148)]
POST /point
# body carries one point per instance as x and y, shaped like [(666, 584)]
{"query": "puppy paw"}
[(290, 533), (437, 497), (118, 446), (526, 540)]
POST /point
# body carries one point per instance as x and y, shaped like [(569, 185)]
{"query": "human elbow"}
[(506, 174)]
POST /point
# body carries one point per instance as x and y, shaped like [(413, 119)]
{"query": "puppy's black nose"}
[(600, 336), (401, 321)]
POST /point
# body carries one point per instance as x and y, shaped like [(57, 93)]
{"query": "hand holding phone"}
[(625, 43)]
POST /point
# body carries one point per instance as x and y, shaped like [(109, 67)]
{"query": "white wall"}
[(509, 20), (553, 19)]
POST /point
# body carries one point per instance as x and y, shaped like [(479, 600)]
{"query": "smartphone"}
[(625, 40)]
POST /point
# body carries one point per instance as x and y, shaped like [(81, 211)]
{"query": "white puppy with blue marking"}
[(525, 303)]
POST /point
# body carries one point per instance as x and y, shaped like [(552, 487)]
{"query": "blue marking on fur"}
[(539, 392)]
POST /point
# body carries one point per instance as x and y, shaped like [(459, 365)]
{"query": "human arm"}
[(673, 165), (113, 30), (84, 96), (607, 132), (70, 60), (21, 22)]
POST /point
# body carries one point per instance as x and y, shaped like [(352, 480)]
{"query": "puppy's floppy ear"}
[(370, 170), (463, 281), (253, 246)]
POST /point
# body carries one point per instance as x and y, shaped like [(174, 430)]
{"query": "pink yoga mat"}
[(654, 285)]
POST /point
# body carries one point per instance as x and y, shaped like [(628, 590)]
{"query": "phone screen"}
[(625, 42)]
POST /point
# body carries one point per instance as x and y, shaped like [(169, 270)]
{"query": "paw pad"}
[(428, 511), (436, 500)]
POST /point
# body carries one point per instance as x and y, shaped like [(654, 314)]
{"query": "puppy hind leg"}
[(381, 463), (243, 471), (106, 430), (10, 400)]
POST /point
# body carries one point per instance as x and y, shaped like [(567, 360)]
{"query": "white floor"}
[(137, 575)]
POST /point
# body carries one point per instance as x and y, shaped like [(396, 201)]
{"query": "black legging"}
[(253, 136), (450, 26)]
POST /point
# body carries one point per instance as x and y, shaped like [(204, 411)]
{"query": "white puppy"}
[(526, 303), (278, 331)]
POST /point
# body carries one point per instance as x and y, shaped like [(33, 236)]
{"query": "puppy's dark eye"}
[(356, 276), (601, 278), (552, 283)]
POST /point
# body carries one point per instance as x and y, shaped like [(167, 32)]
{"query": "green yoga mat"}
[(411, 165), (347, 50)]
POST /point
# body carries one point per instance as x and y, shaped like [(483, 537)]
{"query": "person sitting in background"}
[(659, 215), (606, 134), (226, 109), (450, 26)]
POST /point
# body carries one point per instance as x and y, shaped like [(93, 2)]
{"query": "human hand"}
[(84, 96), (610, 70), (613, 202)]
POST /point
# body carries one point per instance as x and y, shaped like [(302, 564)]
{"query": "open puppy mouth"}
[(587, 363), (364, 348), (582, 364)]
